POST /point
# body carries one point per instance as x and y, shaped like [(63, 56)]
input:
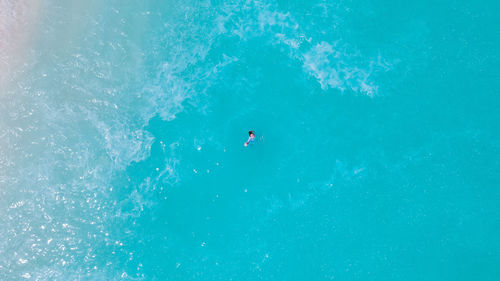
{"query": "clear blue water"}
[(122, 152)]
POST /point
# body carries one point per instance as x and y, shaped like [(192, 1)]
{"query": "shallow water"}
[(122, 157)]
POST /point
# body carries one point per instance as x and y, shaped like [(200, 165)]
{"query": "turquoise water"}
[(377, 158)]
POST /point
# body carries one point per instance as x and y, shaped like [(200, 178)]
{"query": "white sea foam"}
[(333, 64), (329, 67)]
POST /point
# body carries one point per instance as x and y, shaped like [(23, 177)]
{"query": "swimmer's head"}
[(250, 133)]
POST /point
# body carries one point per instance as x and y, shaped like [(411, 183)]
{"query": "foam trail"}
[(333, 64)]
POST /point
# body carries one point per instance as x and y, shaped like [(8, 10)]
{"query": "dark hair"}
[(250, 132)]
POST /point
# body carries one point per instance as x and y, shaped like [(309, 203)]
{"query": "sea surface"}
[(122, 126)]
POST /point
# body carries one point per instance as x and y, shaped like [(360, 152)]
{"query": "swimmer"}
[(251, 138)]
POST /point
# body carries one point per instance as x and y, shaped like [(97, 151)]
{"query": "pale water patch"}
[(18, 20)]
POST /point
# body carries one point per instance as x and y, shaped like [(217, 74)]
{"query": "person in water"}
[(251, 138)]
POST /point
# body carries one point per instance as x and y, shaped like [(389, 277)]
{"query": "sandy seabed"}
[(18, 19)]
